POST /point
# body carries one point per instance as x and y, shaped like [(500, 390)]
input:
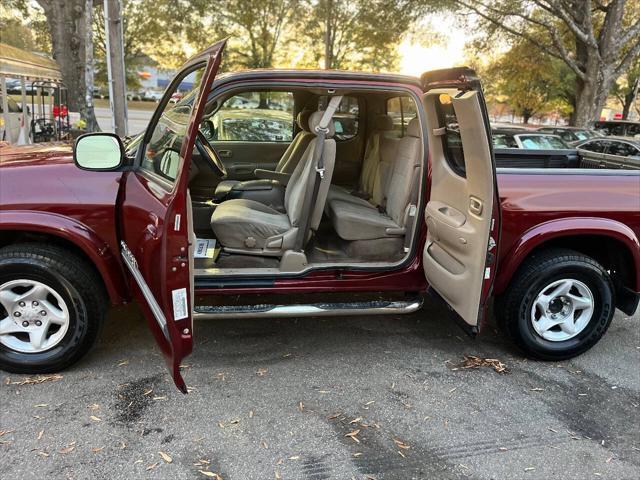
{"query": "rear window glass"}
[(451, 140), (597, 147), (401, 110), (542, 142), (503, 140), (622, 149), (345, 120)]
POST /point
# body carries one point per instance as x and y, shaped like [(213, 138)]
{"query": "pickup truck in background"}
[(555, 246)]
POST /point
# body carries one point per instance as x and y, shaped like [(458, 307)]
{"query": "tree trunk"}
[(592, 93), (526, 115), (328, 35), (630, 98), (92, 124), (67, 24)]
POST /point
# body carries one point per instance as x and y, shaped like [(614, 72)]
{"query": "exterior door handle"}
[(224, 153), (475, 205)]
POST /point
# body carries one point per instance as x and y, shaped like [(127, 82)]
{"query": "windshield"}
[(542, 142)]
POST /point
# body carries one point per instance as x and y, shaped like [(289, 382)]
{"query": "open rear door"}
[(463, 211), (155, 211)]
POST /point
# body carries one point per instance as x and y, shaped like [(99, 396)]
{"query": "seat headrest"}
[(382, 123), (413, 129), (314, 121), (303, 120)]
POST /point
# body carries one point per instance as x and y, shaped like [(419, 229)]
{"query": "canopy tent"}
[(18, 63)]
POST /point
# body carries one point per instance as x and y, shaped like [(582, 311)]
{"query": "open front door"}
[(463, 211), (155, 211)]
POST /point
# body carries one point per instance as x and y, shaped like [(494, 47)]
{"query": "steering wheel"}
[(206, 150)]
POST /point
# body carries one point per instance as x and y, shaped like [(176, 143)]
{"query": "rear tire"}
[(52, 307), (559, 304)]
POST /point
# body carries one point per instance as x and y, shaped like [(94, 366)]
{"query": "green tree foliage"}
[(530, 82), (153, 35), (597, 39), (360, 34)]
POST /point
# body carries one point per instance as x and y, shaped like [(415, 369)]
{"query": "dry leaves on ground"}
[(354, 435), (166, 457), (471, 361), (209, 474), (34, 380)]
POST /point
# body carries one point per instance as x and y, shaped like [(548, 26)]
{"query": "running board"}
[(308, 310)]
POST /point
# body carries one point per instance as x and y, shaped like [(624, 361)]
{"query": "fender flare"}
[(566, 227), (96, 249)]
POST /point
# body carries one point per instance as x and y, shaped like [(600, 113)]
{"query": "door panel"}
[(461, 214), (156, 221), (242, 158)]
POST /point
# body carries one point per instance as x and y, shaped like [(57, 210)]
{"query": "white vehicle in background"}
[(11, 122)]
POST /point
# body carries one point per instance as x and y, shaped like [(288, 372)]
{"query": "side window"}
[(254, 117), (401, 110), (451, 140), (345, 120), (12, 104), (596, 147), (162, 153), (622, 149)]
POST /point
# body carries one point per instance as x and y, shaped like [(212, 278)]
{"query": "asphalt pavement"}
[(138, 119), (340, 398)]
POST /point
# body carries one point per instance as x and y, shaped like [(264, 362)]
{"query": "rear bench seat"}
[(384, 215)]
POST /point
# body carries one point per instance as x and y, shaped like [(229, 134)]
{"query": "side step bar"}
[(308, 310)]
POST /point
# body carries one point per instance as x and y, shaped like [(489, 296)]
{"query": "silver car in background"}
[(610, 152)]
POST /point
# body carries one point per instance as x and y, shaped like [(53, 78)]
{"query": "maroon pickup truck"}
[(309, 193)]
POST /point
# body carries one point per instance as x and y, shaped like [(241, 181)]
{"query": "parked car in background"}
[(507, 138), (153, 95), (618, 128), (610, 152), (571, 135)]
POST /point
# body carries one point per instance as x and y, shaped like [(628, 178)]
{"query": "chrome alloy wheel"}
[(562, 310), (35, 317)]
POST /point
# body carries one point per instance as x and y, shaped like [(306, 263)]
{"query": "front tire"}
[(560, 303), (52, 305)]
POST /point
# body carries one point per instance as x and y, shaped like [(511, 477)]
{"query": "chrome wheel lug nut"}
[(35, 304), (17, 314), (43, 313), (38, 323), (22, 304), (25, 324)]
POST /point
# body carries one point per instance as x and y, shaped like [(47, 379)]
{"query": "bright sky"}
[(449, 52)]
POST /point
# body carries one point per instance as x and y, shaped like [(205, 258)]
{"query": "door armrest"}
[(281, 177)]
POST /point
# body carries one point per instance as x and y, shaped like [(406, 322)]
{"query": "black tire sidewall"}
[(600, 287), (70, 347)]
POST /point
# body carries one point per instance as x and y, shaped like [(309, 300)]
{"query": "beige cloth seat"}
[(247, 226), (289, 160), (356, 219), (379, 154)]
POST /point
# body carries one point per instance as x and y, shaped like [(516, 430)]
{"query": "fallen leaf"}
[(357, 454), (221, 425), (4, 432), (68, 449), (333, 416), (233, 422), (295, 457), (41, 405), (159, 398), (471, 361), (264, 445), (402, 454), (209, 474), (122, 363), (529, 469), (277, 475), (35, 380), (95, 419), (280, 461), (97, 449), (148, 392), (301, 406), (40, 434), (262, 372), (250, 413), (152, 466), (166, 457), (537, 389), (353, 435), (43, 454), (355, 420), (401, 444), (93, 407)]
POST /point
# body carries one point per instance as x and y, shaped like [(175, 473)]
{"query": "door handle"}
[(475, 205), (225, 153)]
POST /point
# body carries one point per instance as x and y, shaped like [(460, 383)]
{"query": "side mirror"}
[(98, 152)]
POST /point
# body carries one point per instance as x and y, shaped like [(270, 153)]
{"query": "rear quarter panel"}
[(540, 205)]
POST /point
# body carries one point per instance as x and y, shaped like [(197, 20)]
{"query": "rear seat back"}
[(404, 173), (388, 154)]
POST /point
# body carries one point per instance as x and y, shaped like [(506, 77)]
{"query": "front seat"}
[(250, 227), (286, 165)]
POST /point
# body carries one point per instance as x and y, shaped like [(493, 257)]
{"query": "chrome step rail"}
[(378, 307)]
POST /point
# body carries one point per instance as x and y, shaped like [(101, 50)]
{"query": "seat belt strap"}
[(321, 131)]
